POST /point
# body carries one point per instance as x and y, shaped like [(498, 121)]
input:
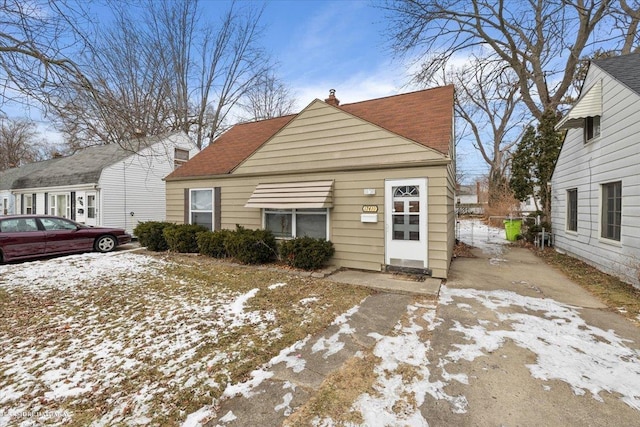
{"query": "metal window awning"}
[(589, 105), (292, 195)]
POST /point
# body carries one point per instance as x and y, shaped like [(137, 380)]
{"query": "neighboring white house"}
[(8, 176), (109, 185), (596, 184), (530, 205), (469, 199)]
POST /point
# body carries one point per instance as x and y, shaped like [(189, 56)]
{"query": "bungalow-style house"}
[(595, 211), (374, 177), (8, 176), (116, 185)]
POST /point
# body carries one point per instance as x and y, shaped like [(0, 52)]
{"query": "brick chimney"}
[(332, 100)]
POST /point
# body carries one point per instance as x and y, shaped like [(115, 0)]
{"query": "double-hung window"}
[(611, 210), (201, 207), (60, 205), (591, 128), (572, 209), (28, 204), (289, 223)]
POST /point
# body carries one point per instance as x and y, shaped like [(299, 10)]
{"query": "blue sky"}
[(341, 45), (321, 45)]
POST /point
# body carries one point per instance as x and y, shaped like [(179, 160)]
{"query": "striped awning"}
[(589, 105), (292, 195)]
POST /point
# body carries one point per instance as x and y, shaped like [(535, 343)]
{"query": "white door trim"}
[(88, 219), (406, 252)]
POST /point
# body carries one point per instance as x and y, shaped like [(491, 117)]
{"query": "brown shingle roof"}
[(424, 116), (231, 148)]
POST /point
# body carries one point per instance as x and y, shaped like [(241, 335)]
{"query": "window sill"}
[(610, 242), (571, 233)]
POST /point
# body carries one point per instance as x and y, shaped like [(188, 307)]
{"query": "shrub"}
[(306, 252), (251, 246), (212, 243), (182, 238), (150, 234)]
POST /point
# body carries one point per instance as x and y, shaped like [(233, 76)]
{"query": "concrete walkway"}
[(288, 384), (386, 282)]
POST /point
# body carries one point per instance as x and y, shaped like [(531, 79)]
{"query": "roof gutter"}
[(55, 189)]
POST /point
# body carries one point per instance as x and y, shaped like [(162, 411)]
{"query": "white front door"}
[(406, 222), (91, 212)]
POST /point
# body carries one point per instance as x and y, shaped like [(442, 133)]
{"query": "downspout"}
[(124, 178)]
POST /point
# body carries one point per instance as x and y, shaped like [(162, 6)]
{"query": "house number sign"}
[(370, 208)]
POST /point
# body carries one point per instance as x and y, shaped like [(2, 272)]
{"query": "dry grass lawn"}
[(616, 294), (139, 339)]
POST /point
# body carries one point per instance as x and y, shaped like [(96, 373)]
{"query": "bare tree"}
[(37, 38), (159, 66), (269, 98), (488, 100), (164, 69), (131, 85), (542, 41), (19, 143), (627, 21)]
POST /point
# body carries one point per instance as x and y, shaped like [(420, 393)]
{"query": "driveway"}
[(509, 341), (527, 347)]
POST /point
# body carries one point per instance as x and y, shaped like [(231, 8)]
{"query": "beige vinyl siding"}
[(323, 137), (358, 245), (324, 143), (451, 214)]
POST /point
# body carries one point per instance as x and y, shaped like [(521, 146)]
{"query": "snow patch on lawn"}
[(83, 349), (72, 271), (198, 418), (292, 358)]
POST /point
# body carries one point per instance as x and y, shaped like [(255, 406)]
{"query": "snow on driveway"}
[(587, 358)]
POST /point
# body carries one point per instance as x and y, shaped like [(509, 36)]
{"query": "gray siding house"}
[(7, 178), (107, 185), (595, 211)]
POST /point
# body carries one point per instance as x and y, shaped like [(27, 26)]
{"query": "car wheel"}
[(105, 243)]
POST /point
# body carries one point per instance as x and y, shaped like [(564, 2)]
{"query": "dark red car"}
[(31, 236)]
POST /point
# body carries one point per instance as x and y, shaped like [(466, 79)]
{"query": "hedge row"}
[(246, 246)]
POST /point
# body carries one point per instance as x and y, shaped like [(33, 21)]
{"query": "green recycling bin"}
[(512, 228)]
